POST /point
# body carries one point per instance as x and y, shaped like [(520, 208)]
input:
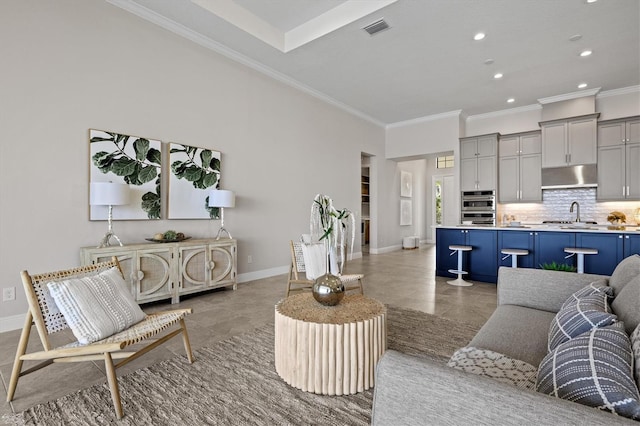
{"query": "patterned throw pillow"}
[(484, 362), (579, 316), (593, 369), (96, 306), (635, 343), (595, 287)]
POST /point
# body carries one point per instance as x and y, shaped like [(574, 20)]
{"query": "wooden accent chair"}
[(297, 280), (48, 322)]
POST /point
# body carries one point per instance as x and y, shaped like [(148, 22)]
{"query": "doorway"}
[(443, 212), (365, 202)]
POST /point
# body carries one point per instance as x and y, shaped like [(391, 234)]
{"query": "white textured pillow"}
[(96, 306)]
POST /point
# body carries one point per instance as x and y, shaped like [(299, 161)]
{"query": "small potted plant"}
[(330, 225)]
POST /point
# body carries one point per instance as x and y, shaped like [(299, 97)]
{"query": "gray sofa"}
[(415, 391)]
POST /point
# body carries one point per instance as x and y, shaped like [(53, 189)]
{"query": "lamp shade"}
[(222, 198), (108, 194)]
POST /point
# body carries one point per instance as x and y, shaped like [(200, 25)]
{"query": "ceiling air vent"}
[(376, 27)]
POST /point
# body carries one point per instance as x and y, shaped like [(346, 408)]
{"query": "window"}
[(444, 162)]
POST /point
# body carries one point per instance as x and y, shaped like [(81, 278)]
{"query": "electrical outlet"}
[(8, 293), (249, 259)]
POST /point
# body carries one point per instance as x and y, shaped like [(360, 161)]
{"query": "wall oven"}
[(478, 207)]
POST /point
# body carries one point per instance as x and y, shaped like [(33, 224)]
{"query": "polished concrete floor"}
[(404, 278)]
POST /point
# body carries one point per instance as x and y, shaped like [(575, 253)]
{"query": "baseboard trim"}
[(264, 273), (13, 322), (385, 249)]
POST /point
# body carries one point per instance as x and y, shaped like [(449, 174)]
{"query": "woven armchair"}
[(48, 321)]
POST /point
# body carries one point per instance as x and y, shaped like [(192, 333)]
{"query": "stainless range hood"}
[(583, 176)]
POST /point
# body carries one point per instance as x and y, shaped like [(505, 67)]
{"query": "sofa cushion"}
[(96, 306), (509, 331), (484, 362), (626, 270), (626, 305), (635, 343), (538, 288), (593, 369), (599, 286), (578, 316)]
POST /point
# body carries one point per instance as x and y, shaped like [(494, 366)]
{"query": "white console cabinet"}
[(157, 271)]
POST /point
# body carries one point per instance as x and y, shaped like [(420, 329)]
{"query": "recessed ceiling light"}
[(488, 61), (511, 100), (478, 36), (575, 37), (582, 85), (585, 53), (497, 76), (591, 1)]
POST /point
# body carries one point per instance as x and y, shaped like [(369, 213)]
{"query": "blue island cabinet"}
[(550, 247), (522, 240), (610, 248), (481, 262), (631, 244)]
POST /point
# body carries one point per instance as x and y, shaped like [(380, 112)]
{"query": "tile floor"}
[(404, 278)]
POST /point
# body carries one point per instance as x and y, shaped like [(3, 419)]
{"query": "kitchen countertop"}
[(629, 229)]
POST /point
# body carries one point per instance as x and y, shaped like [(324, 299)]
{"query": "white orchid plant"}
[(333, 225)]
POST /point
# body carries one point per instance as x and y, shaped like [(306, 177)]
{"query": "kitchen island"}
[(544, 242)]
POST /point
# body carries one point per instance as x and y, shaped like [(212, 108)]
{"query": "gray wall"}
[(68, 66)]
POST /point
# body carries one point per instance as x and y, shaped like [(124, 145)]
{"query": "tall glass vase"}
[(328, 288)]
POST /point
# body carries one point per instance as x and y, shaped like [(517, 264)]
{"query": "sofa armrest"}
[(415, 391), (539, 288)]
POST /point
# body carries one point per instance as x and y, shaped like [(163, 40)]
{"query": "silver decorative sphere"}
[(328, 289)]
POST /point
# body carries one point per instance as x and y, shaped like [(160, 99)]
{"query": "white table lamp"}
[(222, 198), (109, 194)]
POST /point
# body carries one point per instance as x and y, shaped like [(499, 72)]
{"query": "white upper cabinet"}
[(618, 159), (478, 164), (520, 168), (569, 142)]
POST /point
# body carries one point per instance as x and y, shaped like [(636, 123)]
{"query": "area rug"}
[(234, 382)]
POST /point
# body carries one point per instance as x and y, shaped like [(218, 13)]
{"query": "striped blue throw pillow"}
[(594, 369), (578, 316)]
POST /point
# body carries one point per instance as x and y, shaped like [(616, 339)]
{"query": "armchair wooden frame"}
[(297, 279), (49, 321)]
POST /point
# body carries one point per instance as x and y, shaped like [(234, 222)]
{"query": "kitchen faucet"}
[(578, 210)]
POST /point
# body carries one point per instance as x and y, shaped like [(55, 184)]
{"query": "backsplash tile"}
[(556, 203)]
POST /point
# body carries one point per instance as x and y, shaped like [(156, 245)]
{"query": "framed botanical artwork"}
[(406, 214), (406, 184), (131, 160), (193, 173)]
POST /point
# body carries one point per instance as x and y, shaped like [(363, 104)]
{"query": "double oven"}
[(478, 207)]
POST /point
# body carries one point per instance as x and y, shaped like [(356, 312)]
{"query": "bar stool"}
[(580, 251), (459, 282), (514, 253)]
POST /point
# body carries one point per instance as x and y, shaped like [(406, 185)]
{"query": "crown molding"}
[(569, 96), (618, 92), (503, 112), (455, 113), (181, 30)]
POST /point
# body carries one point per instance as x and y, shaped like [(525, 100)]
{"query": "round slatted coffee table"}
[(329, 350)]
